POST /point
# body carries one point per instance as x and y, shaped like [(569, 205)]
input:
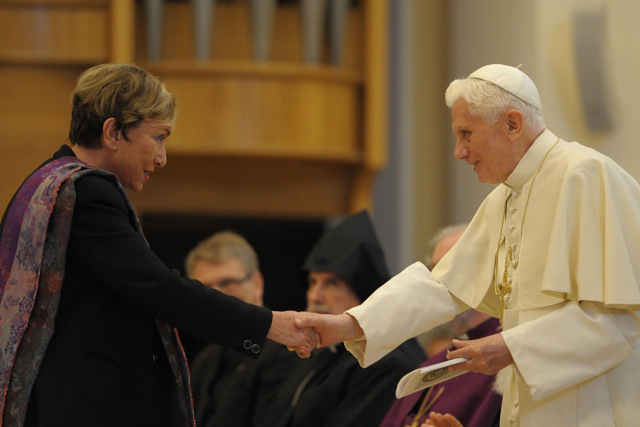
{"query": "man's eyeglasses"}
[(223, 283)]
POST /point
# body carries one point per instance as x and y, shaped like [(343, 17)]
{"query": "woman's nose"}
[(161, 158)]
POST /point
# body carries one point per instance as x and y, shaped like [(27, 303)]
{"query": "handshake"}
[(302, 331)]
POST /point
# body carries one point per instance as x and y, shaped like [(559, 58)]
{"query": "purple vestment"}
[(469, 397)]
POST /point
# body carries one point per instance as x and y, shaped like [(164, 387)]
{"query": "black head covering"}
[(352, 251)]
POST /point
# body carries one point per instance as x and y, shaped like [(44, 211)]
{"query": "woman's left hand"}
[(285, 331)]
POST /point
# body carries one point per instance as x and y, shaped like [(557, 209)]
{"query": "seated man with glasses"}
[(229, 388)]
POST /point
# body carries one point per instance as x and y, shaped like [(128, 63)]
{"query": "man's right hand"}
[(285, 330), (331, 328)]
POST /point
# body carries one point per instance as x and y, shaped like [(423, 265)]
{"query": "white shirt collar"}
[(531, 160)]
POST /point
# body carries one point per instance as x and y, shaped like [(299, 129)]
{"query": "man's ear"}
[(514, 122), (110, 135), (258, 281)]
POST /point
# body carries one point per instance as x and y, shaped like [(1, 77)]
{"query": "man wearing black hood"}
[(331, 389)]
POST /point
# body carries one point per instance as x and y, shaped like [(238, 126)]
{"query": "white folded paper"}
[(427, 376)]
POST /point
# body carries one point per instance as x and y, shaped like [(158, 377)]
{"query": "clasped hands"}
[(302, 332)]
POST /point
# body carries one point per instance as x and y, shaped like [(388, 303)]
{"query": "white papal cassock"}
[(572, 321)]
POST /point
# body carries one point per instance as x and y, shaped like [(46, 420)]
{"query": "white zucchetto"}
[(510, 79)]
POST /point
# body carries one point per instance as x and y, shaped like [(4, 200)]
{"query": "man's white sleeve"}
[(570, 345), (409, 304)]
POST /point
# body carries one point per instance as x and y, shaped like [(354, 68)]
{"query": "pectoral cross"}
[(504, 288)]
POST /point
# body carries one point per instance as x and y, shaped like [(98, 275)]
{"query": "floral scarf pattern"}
[(32, 265)]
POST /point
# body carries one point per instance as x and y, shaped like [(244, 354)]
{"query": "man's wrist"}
[(355, 331)]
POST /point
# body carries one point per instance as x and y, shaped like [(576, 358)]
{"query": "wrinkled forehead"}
[(462, 117)]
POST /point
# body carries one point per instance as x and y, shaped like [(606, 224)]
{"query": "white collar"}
[(534, 156)]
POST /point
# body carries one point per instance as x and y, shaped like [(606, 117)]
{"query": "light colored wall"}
[(411, 193), (485, 32), (558, 76), (430, 122), (424, 187), (539, 35)]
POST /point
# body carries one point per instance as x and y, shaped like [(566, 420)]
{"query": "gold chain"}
[(426, 405)]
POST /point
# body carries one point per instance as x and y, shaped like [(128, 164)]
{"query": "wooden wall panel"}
[(248, 187), (266, 114), (274, 138), (34, 120), (57, 32)]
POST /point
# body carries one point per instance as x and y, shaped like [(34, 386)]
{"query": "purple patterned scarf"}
[(32, 263)]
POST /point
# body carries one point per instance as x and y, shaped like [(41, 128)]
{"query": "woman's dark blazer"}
[(105, 365)]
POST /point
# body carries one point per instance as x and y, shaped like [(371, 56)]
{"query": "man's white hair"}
[(439, 235), (489, 101)]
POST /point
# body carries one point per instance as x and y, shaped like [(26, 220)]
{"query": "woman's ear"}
[(110, 135)]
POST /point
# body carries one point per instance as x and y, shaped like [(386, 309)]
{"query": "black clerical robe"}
[(332, 390)]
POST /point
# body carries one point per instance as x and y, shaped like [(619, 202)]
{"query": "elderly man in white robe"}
[(553, 251)]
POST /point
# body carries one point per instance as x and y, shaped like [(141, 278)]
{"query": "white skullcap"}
[(510, 79)]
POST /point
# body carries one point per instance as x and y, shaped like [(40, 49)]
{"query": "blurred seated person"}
[(331, 390), (469, 399), (230, 388)]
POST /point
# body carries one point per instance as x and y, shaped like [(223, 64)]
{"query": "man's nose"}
[(460, 151), (315, 293)]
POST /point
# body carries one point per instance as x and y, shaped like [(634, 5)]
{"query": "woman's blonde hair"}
[(125, 92)]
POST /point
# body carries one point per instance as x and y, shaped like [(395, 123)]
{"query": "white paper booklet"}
[(422, 378)]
